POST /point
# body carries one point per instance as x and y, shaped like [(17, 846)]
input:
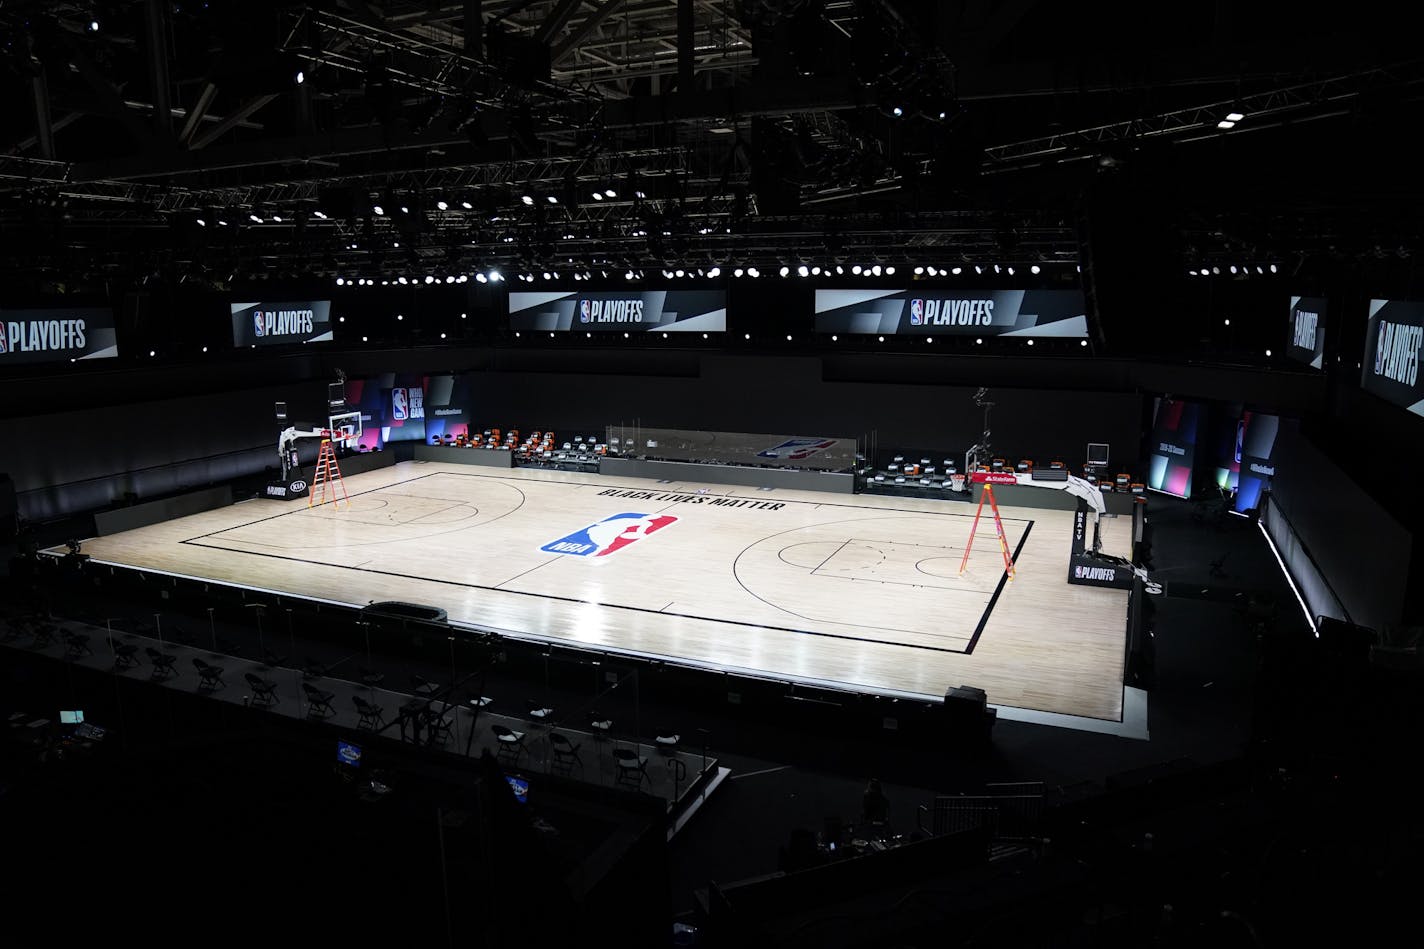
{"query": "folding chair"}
[(566, 753), (632, 767), (162, 663), (318, 702), (209, 676), (439, 725), (264, 691), (76, 645), (601, 724), (125, 655), (666, 739), (372, 715), (509, 744)]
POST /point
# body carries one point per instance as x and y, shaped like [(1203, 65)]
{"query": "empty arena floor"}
[(858, 592)]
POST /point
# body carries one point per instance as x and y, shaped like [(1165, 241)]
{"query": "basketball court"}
[(853, 592)]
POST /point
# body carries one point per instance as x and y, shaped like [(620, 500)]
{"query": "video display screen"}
[(1022, 313), (281, 324), (57, 334), (594, 311), (1393, 338), (408, 407), (1306, 342), (1171, 448)]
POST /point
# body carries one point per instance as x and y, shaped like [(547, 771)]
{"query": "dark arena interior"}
[(843, 474)]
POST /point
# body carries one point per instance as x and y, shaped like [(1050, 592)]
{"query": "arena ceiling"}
[(386, 136)]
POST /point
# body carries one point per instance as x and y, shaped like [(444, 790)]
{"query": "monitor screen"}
[(281, 411), (336, 395), (520, 787), (71, 718), (348, 754), (1097, 453)]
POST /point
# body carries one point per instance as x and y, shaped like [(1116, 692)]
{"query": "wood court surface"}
[(856, 592)]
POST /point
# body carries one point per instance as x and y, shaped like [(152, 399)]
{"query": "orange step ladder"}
[(988, 495), (328, 480)]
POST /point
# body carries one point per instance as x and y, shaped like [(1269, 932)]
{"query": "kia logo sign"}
[(297, 487)]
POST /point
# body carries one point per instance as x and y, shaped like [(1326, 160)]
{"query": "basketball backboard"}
[(346, 428)]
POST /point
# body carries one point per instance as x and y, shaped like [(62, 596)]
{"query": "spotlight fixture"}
[(610, 193), (301, 77), (527, 199), (785, 270), (855, 269), (379, 211), (552, 199), (920, 270), (957, 271), (254, 219), (598, 196), (875, 270), (897, 112), (93, 26), (1225, 124), (1234, 116), (753, 272), (1083, 342), (714, 272), (802, 271), (737, 272), (320, 215), (890, 270), (467, 205), (340, 282), (441, 205), (201, 222), (1035, 269)]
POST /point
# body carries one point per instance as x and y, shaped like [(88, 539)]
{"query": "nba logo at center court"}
[(917, 312), (583, 311), (609, 535)]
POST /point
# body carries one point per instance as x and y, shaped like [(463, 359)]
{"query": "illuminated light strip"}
[(1310, 620)]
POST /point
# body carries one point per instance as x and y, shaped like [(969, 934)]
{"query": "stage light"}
[(1082, 342), (222, 223), (1273, 268), (395, 243), (93, 26), (429, 279), (882, 339), (467, 205), (714, 273), (979, 341), (449, 279), (301, 77), (463, 278), (875, 270), (1226, 322), (802, 270), (152, 353), (464, 316), (1011, 270), (1233, 268), (548, 276), (920, 270), (340, 281), (957, 271), (834, 338), (441, 205), (201, 222), (978, 269), (254, 219), (1225, 124), (1035, 269), (610, 193), (1216, 270), (815, 271), (552, 199), (664, 336), (890, 270), (1259, 269), (998, 269), (855, 270), (746, 336), (495, 276), (704, 335), (442, 335), (527, 198), (1268, 354), (1205, 273), (785, 270), (401, 281), (405, 209), (1030, 342), (737, 272), (629, 275), (320, 215), (839, 269), (399, 317), (753, 272), (364, 338), (1234, 116), (379, 211), (897, 111), (680, 273), (598, 196), (205, 349)]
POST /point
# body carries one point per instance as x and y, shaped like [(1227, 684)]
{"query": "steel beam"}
[(590, 23), (155, 23), (44, 128), (205, 100), (243, 111)]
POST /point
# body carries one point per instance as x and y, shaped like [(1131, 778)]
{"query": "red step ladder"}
[(988, 495), (328, 480)]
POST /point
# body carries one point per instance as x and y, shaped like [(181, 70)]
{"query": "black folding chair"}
[(76, 645), (264, 691), (125, 655), (566, 752), (162, 663), (209, 676), (632, 767), (439, 725), (372, 715), (318, 702), (509, 744)]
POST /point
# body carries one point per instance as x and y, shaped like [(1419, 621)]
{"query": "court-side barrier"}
[(832, 481), (465, 456), (163, 509)]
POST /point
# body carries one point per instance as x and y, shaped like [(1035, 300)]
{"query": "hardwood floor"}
[(859, 592)]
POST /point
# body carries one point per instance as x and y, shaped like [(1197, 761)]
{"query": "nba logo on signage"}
[(258, 326), (4, 342), (583, 311), (917, 312)]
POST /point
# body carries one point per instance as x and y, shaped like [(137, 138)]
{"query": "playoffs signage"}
[(1393, 341), (281, 324), (668, 311), (1054, 313), (56, 335), (1306, 342)]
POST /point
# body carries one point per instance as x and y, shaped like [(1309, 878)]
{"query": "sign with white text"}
[(281, 324), (56, 335), (1306, 342), (668, 311), (1022, 313), (1393, 340)]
